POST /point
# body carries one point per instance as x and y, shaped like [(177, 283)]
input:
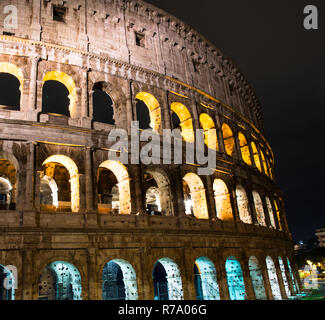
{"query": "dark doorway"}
[(9, 92), (143, 115), (160, 282)]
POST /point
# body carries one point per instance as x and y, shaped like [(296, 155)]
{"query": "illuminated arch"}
[(69, 84), (228, 139), (273, 278), (185, 121), (256, 157), (198, 196), (122, 176), (154, 109), (222, 199), (270, 210), (54, 188), (244, 148), (74, 178), (12, 69), (171, 288), (260, 215), (7, 284), (205, 277), (264, 164), (119, 281), (235, 279), (210, 133), (243, 205), (284, 277), (257, 278), (278, 214)]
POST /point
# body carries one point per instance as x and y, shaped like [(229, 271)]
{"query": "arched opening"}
[(55, 99), (59, 94), (8, 181), (7, 284), (194, 196), (205, 280), (273, 278), (256, 157), (119, 281), (167, 280), (113, 188), (11, 83), (148, 111), (243, 205), (49, 196), (235, 279), (284, 277), (228, 139), (260, 215), (65, 174), (270, 210), (264, 163), (158, 195), (102, 104), (210, 133), (222, 199), (257, 279), (293, 278), (244, 148), (184, 121), (60, 280)]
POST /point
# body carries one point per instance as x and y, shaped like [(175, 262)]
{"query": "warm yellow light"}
[(244, 147), (222, 199), (12, 69), (228, 139), (210, 133), (256, 157)]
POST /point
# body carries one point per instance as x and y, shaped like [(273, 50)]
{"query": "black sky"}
[(283, 63)]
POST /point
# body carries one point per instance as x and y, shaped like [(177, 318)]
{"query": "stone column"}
[(250, 294), (85, 115), (222, 276), (137, 196), (37, 189), (252, 206), (266, 279), (89, 182), (29, 280), (33, 83), (237, 146), (92, 274), (266, 212), (129, 110), (221, 143), (36, 28), (280, 279), (166, 112), (30, 169), (234, 205), (211, 199)]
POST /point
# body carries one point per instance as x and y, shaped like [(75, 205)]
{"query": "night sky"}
[(282, 61)]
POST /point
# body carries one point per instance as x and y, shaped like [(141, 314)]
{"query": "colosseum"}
[(76, 225)]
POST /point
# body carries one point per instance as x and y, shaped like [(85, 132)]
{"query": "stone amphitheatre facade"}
[(76, 225)]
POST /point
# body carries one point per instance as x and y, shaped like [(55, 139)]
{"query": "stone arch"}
[(164, 191), (53, 187), (205, 278), (197, 195), (7, 284), (222, 200), (154, 109), (60, 280), (270, 211), (119, 281), (235, 279), (284, 277), (210, 133), (243, 205), (260, 215), (273, 278), (6, 67), (122, 176), (244, 148), (72, 168), (167, 280), (228, 139), (69, 83), (256, 157), (185, 119), (257, 278)]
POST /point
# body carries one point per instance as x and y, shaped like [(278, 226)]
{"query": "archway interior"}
[(55, 98), (108, 192), (194, 196), (167, 280), (102, 104), (205, 280), (260, 215), (7, 284), (55, 188), (222, 200), (256, 157), (119, 184), (210, 133), (243, 205), (284, 277), (228, 139), (244, 148), (8, 180), (273, 278), (293, 279), (10, 94), (119, 281), (235, 279), (257, 279), (270, 210), (60, 280)]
